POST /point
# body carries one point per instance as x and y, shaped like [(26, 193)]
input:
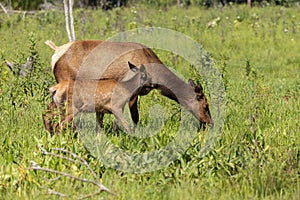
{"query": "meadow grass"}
[(257, 156)]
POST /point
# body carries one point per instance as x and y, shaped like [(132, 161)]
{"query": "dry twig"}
[(75, 159), (4, 9), (8, 11)]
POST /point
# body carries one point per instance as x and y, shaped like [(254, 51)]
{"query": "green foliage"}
[(258, 154), (24, 4), (109, 4)]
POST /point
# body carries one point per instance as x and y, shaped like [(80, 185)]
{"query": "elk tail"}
[(51, 45)]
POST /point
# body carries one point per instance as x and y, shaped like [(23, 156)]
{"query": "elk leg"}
[(68, 116), (48, 121), (48, 117), (134, 109), (120, 117), (99, 117), (115, 124)]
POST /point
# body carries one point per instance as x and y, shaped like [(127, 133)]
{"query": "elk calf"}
[(100, 96), (96, 59)]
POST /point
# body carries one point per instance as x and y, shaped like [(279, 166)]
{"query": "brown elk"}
[(100, 96), (94, 59)]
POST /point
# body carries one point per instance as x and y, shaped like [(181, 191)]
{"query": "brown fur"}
[(95, 59), (102, 96), (67, 66)]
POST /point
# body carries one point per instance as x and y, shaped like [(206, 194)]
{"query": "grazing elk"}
[(94, 59), (102, 96)]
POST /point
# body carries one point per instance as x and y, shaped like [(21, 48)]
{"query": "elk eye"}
[(198, 97), (206, 108), (53, 93)]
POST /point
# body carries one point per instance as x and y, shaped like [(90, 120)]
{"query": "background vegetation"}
[(257, 156), (109, 4)]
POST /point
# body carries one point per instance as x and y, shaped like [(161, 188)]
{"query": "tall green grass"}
[(257, 155)]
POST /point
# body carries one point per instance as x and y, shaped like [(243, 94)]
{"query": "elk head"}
[(203, 107)]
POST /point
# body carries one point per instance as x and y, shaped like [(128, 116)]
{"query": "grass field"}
[(257, 155)]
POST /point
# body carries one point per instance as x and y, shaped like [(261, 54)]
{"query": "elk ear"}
[(143, 72), (132, 66), (142, 68), (191, 83)]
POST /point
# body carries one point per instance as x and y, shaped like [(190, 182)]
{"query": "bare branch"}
[(56, 193), (20, 70), (30, 12), (37, 167), (75, 159), (4, 9), (10, 65), (67, 20), (71, 2), (82, 161)]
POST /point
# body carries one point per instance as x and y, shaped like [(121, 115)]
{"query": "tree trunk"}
[(249, 3)]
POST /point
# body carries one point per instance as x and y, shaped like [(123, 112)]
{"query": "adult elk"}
[(100, 96), (95, 59)]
